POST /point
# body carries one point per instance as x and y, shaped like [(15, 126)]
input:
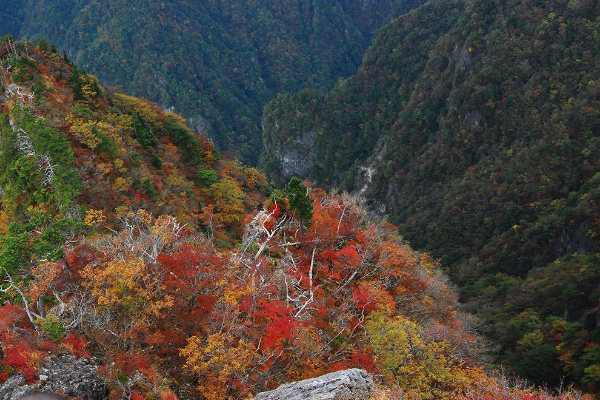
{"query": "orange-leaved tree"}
[(302, 298)]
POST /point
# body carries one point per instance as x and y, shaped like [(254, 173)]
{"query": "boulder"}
[(65, 374), (351, 384)]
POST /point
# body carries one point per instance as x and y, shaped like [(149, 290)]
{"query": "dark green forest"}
[(214, 62), (475, 126)]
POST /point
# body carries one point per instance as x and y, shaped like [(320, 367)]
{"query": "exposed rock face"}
[(576, 240), (293, 157), (464, 62), (200, 125), (67, 375), (11, 389), (351, 384), (297, 158)]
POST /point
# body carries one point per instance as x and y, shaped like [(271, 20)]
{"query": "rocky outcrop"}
[(577, 240), (351, 384), (200, 125), (464, 62), (66, 374), (10, 389), (296, 157)]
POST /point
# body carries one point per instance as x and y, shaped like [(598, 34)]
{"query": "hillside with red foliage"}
[(129, 239)]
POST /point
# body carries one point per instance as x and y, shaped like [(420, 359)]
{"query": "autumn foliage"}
[(205, 290)]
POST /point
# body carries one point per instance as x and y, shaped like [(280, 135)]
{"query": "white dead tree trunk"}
[(44, 164), (32, 315)]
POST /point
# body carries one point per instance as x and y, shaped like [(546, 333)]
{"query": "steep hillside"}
[(68, 143), (106, 255), (475, 125), (216, 63)]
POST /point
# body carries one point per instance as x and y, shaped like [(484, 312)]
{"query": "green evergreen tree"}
[(299, 200)]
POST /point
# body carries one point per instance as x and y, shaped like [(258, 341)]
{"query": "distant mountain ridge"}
[(475, 125), (216, 63)]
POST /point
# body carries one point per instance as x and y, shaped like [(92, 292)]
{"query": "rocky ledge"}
[(351, 384), (65, 374)]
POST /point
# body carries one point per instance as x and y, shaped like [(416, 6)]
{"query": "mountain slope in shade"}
[(475, 126), (216, 63)]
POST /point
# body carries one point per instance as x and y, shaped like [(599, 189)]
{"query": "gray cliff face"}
[(351, 384), (66, 375), (576, 240), (464, 62), (200, 125), (296, 157)]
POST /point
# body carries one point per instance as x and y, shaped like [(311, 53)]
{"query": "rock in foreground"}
[(66, 374), (351, 384)]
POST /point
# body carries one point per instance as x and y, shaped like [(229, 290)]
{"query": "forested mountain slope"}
[(216, 62), (128, 240), (11, 17), (475, 124), (69, 143)]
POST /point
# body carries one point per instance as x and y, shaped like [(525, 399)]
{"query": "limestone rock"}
[(351, 384), (464, 62), (8, 387), (296, 157)]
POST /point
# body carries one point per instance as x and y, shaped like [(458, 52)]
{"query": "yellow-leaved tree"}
[(228, 198), (123, 282), (221, 361), (418, 365)]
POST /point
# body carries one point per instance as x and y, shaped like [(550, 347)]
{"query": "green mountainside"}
[(215, 62), (11, 16), (475, 125)]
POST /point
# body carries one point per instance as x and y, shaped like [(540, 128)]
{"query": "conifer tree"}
[(299, 200)]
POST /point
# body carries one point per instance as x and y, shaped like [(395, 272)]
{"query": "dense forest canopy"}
[(215, 62), (474, 125)]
